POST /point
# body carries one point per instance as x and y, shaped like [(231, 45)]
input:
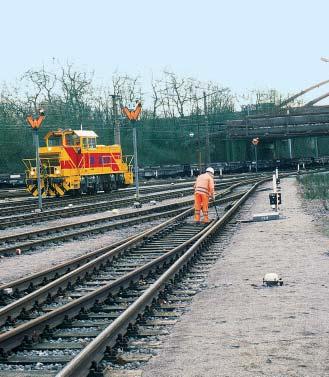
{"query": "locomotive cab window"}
[(89, 142), (55, 140)]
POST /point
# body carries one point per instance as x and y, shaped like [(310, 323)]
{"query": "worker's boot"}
[(197, 216), (206, 218)]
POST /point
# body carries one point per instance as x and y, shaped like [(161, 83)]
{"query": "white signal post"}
[(35, 124), (274, 183), (133, 115), (275, 188)]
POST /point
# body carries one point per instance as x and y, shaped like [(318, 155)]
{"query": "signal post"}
[(133, 115), (35, 124)]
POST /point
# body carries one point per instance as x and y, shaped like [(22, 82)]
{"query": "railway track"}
[(89, 208), (26, 241), (67, 326), (21, 287), (13, 193), (29, 204), (30, 240)]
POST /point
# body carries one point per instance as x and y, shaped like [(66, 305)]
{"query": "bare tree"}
[(77, 90), (179, 91)]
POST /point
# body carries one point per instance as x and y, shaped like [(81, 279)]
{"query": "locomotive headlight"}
[(57, 171), (32, 173)]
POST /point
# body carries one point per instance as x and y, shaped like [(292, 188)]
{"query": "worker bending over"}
[(203, 189)]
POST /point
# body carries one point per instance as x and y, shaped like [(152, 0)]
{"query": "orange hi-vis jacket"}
[(205, 184)]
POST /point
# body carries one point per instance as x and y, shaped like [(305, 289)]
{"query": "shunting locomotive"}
[(72, 162)]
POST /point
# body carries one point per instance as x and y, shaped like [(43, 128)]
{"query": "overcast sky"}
[(242, 44)]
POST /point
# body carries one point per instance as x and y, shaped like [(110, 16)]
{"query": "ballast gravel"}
[(15, 267), (93, 216), (236, 327)]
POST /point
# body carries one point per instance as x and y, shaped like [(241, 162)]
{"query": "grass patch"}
[(315, 186)]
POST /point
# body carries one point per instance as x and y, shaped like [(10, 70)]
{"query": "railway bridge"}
[(284, 131), (289, 133), (292, 123)]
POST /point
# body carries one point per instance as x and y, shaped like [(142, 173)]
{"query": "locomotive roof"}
[(83, 133), (80, 133)]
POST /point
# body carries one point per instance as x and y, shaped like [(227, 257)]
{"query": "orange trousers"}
[(201, 202)]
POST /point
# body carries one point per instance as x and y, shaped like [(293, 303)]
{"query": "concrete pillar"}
[(290, 148), (316, 147)]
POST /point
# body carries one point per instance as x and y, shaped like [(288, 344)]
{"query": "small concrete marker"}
[(272, 279)]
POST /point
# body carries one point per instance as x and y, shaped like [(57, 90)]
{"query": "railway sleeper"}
[(148, 310)]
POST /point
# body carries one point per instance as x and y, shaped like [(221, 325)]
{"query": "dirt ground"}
[(236, 326)]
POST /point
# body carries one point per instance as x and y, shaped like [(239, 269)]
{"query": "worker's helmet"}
[(210, 170)]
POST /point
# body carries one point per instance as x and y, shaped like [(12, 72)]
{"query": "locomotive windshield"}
[(54, 140), (72, 139)]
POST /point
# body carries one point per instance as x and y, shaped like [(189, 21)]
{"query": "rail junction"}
[(106, 312), (69, 319)]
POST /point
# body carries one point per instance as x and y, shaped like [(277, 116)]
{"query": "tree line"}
[(175, 109)]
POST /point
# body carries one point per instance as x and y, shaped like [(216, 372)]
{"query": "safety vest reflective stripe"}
[(201, 189)]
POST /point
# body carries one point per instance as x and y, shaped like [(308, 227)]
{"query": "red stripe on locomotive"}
[(90, 160)]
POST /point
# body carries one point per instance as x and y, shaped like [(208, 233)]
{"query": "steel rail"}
[(94, 351), (43, 277), (44, 293), (10, 208), (86, 223), (131, 219), (15, 336), (6, 222), (147, 186), (176, 191)]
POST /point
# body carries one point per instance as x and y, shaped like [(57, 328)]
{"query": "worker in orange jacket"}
[(204, 188)]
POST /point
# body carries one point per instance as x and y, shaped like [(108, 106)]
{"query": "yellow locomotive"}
[(72, 162)]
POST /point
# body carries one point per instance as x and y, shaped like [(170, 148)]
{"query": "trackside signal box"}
[(275, 198)]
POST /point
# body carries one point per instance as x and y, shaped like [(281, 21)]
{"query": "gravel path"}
[(236, 327)]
